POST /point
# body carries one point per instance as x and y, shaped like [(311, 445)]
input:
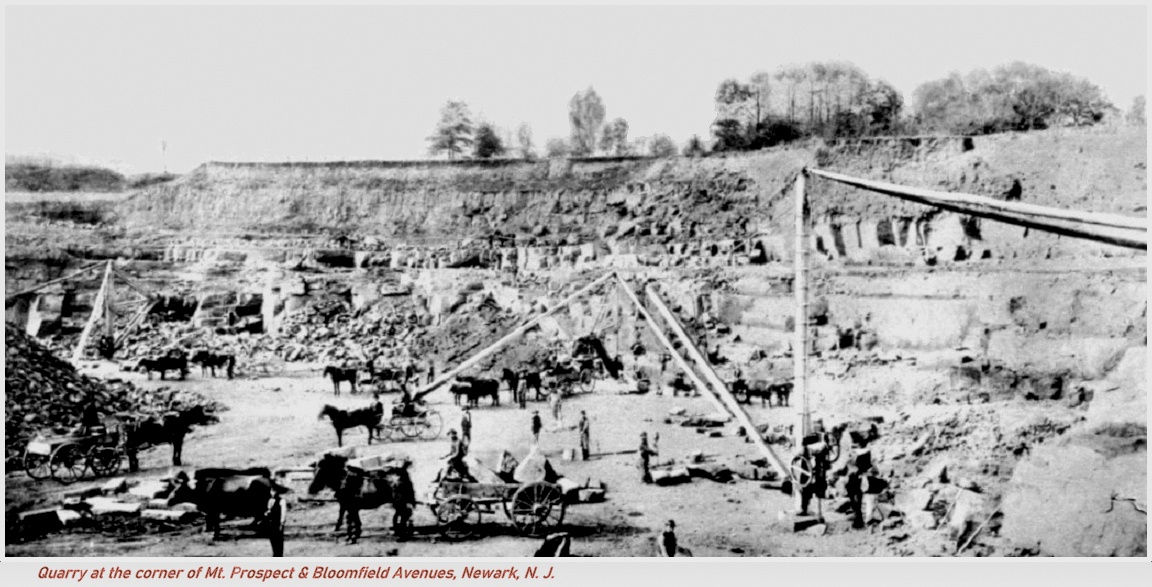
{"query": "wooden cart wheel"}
[(411, 427), (431, 425), (68, 463), (104, 460), (36, 465), (802, 470), (537, 508), (457, 516), (587, 381)]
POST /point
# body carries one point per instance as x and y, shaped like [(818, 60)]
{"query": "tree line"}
[(831, 100)]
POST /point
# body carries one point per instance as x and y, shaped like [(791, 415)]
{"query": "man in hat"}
[(537, 425), (466, 424), (646, 453), (667, 545), (585, 436), (455, 458)]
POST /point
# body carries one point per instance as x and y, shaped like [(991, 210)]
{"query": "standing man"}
[(536, 426), (667, 544), (585, 436), (646, 454), (466, 424)]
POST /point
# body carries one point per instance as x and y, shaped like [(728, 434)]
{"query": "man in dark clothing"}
[(90, 419), (466, 424), (854, 489), (585, 436), (536, 426), (668, 545), (646, 455)]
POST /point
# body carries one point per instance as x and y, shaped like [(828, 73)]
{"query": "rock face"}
[(1060, 499)]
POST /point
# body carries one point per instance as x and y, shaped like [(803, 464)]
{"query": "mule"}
[(170, 428), (359, 490), (341, 374), (210, 361), (236, 493), (530, 379), (342, 420), (173, 361)]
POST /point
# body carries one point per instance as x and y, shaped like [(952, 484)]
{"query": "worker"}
[(667, 545), (90, 422), (556, 400), (455, 458), (646, 454), (585, 436), (536, 426), (854, 489), (466, 424)]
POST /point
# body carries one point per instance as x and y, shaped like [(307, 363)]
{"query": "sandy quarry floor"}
[(273, 422)]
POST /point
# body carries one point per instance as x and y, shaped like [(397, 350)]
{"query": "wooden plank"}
[(97, 310), (492, 348)]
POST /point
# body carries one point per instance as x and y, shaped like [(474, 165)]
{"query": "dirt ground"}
[(273, 422)]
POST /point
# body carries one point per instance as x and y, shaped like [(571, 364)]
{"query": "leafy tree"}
[(524, 142), (734, 101), (1136, 112), (488, 143), (557, 148), (614, 139), (694, 147), (453, 132), (586, 115), (730, 135), (661, 146)]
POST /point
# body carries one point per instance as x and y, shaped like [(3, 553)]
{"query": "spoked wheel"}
[(411, 427), (802, 471), (431, 425), (104, 460), (537, 508), (68, 463), (36, 465), (384, 430), (587, 381), (457, 516)]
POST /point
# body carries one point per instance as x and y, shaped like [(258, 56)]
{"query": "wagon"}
[(69, 458), (535, 508), (426, 424)]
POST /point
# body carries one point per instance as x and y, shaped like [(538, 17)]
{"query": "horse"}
[(475, 388), (173, 361), (236, 493), (339, 374), (530, 379), (209, 361), (170, 428), (782, 391), (357, 490), (342, 420)]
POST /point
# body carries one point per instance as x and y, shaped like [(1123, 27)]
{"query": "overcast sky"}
[(301, 83)]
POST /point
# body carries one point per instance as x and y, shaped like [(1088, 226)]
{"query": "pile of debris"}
[(45, 392)]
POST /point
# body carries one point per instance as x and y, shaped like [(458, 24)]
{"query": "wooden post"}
[(98, 308), (800, 329), (492, 348), (720, 390), (680, 362)]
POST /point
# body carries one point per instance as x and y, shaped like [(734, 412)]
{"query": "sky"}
[(219, 83)]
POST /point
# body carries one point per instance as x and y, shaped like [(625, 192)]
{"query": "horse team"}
[(177, 360)]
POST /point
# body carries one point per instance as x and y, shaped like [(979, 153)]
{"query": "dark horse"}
[(170, 428), (531, 379), (342, 420), (236, 493), (746, 390), (475, 388), (363, 490), (210, 361), (338, 374), (173, 361)]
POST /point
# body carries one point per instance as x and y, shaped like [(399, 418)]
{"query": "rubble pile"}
[(45, 392)]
